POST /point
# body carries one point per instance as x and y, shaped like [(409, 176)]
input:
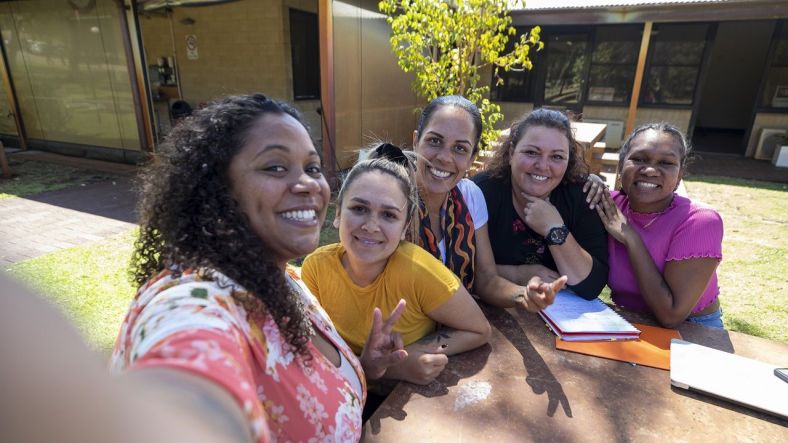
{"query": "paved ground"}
[(46, 222), (707, 163)]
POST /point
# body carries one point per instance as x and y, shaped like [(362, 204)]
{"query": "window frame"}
[(591, 63), (531, 76), (699, 75), (310, 90), (590, 33), (538, 75), (780, 26)]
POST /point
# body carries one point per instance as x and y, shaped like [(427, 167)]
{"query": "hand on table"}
[(383, 347), (538, 294), (422, 367), (541, 215)]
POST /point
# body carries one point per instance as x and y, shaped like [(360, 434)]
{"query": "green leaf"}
[(446, 44)]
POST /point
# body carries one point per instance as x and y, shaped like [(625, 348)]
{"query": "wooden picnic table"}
[(588, 135), (520, 388)]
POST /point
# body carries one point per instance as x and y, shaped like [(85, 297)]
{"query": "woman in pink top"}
[(664, 249)]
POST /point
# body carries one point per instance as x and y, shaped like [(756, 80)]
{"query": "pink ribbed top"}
[(684, 230)]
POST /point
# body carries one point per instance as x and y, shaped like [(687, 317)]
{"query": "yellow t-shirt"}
[(411, 273)]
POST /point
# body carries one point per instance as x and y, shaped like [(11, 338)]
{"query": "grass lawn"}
[(752, 276), (89, 282), (32, 177)]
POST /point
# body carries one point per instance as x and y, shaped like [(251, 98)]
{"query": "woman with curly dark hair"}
[(540, 224), (235, 193)]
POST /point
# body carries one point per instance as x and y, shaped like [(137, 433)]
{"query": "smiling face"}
[(651, 171), (445, 150), (372, 218), (539, 161), (277, 179)]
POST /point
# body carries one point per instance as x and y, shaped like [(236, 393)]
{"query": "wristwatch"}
[(557, 235)]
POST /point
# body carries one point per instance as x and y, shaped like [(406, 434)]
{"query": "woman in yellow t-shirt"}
[(373, 266)]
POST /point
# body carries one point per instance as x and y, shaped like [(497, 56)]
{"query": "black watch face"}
[(557, 236)]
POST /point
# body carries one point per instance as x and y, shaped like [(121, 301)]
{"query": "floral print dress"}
[(193, 324)]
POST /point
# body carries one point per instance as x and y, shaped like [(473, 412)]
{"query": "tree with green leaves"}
[(447, 43)]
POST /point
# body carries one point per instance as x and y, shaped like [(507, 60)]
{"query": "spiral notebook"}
[(573, 318)]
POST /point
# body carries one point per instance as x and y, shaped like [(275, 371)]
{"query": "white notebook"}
[(735, 378), (574, 318)]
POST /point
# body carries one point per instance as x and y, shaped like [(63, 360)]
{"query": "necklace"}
[(650, 222)]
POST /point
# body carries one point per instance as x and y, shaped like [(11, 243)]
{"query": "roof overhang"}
[(675, 11)]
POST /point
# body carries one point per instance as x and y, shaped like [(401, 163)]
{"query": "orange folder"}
[(653, 348)]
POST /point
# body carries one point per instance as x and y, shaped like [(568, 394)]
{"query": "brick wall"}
[(243, 47)]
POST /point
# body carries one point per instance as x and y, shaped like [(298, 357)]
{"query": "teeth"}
[(647, 185), (306, 215), (539, 177), (439, 173)]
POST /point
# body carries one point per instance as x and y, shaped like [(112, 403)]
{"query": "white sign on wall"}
[(191, 47)]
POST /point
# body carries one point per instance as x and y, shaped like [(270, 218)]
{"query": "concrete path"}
[(43, 223)]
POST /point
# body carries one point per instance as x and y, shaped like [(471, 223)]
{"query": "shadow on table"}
[(472, 362), (538, 375)]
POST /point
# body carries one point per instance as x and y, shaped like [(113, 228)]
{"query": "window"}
[(517, 85), (775, 88), (305, 52), (578, 65), (674, 63), (613, 63), (566, 65)]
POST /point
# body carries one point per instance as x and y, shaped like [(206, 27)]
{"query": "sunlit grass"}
[(753, 275), (89, 283)]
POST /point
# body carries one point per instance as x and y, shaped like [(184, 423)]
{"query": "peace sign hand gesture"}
[(383, 348)]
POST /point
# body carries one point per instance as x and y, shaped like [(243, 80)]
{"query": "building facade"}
[(108, 78)]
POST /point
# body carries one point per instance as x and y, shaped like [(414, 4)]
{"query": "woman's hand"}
[(596, 188), (383, 347), (538, 294), (541, 215), (422, 367), (613, 219)]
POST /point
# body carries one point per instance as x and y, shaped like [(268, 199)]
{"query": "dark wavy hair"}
[(576, 169), (457, 101), (189, 218)]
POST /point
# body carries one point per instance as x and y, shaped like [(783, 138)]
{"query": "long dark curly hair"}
[(189, 219), (576, 169)]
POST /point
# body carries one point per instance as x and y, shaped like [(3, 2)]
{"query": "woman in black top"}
[(540, 223)]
